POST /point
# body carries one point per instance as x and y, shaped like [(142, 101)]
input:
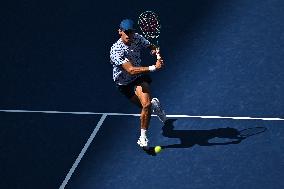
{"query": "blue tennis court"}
[(63, 124)]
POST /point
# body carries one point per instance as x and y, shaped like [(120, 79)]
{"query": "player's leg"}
[(142, 91), (156, 107), (135, 100)]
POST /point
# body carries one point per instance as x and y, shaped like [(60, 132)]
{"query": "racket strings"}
[(149, 24), (252, 131)]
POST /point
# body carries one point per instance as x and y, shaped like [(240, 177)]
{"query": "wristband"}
[(152, 68)]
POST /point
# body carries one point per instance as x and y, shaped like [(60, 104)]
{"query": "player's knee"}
[(146, 106)]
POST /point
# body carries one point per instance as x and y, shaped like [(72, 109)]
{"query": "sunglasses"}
[(127, 32)]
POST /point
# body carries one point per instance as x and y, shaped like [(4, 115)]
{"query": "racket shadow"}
[(189, 138)]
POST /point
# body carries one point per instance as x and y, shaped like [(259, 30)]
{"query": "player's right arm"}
[(133, 70), (117, 57)]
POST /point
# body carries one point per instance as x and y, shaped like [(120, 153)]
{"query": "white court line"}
[(123, 114), (83, 151), (104, 115)]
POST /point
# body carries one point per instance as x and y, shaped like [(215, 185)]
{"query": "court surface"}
[(63, 124)]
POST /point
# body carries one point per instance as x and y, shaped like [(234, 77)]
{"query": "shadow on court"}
[(189, 138)]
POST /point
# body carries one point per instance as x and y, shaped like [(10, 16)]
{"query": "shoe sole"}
[(158, 104)]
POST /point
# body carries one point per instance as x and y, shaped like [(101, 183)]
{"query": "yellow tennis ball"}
[(158, 149)]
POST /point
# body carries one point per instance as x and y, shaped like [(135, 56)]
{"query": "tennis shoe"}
[(142, 141), (158, 110)]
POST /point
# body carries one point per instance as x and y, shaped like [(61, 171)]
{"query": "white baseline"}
[(103, 117), (125, 114)]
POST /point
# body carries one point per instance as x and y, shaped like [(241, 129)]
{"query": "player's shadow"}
[(189, 138)]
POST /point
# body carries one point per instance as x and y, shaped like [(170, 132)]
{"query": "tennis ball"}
[(158, 149)]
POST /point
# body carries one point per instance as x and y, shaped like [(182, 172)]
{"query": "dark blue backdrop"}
[(222, 57)]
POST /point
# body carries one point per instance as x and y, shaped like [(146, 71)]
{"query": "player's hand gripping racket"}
[(150, 26)]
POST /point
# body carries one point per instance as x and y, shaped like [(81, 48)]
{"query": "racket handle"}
[(158, 53)]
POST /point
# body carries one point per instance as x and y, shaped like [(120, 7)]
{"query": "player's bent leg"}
[(135, 100)]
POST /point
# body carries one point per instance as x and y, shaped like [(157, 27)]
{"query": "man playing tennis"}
[(131, 78)]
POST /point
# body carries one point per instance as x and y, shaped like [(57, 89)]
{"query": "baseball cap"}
[(127, 24)]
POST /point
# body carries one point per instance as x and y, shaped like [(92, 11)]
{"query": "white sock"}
[(143, 132)]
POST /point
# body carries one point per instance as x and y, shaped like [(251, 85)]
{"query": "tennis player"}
[(132, 79)]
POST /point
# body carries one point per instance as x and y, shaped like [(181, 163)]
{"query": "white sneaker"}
[(157, 109), (142, 141)]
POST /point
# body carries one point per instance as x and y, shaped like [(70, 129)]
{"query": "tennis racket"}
[(150, 26)]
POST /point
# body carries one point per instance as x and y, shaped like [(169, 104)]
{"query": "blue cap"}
[(126, 24)]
